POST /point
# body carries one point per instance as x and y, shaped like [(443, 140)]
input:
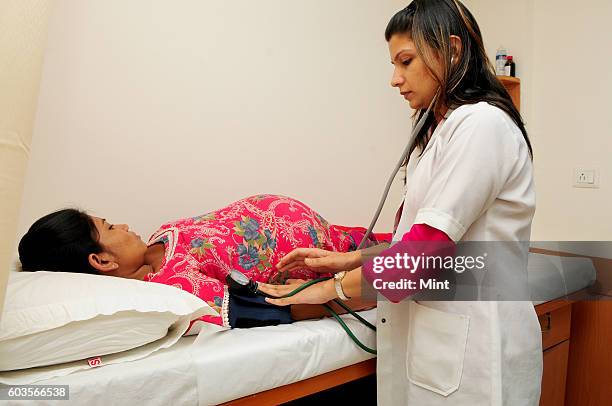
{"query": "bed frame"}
[(309, 386)]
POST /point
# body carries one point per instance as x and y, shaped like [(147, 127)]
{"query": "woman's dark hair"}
[(430, 23), (60, 241)]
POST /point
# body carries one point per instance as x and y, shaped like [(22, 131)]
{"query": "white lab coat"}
[(474, 181)]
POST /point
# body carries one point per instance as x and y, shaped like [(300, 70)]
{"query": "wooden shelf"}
[(513, 86), (509, 80)]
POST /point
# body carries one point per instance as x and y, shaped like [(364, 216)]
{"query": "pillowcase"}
[(56, 317)]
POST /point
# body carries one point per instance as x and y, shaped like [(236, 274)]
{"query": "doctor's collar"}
[(449, 111)]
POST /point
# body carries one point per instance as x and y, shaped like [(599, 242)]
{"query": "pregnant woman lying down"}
[(196, 253)]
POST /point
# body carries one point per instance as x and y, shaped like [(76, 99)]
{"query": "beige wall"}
[(150, 111), (562, 49), (23, 28), (154, 110), (573, 124)]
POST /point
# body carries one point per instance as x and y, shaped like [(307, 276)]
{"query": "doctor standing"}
[(469, 177)]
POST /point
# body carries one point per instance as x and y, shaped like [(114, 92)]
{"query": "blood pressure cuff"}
[(253, 311)]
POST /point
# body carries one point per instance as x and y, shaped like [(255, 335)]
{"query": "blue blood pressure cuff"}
[(247, 311)]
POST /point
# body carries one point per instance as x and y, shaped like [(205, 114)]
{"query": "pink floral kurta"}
[(250, 235)]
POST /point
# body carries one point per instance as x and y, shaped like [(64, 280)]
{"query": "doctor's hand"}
[(318, 293), (318, 260)]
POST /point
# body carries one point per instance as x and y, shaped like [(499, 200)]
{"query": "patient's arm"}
[(316, 311), (310, 311)]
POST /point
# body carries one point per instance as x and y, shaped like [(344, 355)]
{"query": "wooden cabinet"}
[(555, 321), (589, 364), (555, 375), (589, 378)]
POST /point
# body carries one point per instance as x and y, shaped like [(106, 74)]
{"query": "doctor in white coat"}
[(469, 177)]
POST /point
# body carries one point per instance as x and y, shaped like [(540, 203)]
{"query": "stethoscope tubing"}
[(334, 313)]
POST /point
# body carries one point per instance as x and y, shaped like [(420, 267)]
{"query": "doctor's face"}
[(410, 74)]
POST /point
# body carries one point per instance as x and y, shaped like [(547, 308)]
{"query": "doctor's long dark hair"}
[(430, 23)]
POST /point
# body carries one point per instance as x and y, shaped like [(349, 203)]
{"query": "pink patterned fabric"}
[(250, 235)]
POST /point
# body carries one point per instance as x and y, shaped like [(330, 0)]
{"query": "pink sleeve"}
[(424, 232), (421, 240)]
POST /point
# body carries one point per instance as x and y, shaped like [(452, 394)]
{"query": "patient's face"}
[(123, 246)]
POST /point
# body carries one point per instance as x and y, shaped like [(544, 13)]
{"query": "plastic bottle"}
[(510, 67), (500, 60)]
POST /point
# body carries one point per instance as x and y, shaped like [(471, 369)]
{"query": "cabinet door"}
[(553, 378)]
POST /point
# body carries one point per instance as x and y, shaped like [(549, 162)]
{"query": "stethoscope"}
[(238, 281), (415, 130)]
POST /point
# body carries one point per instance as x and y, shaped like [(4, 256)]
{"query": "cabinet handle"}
[(547, 327)]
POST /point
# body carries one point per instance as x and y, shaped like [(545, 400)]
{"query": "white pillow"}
[(56, 317)]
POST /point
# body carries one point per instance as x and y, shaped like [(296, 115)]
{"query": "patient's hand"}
[(313, 311)]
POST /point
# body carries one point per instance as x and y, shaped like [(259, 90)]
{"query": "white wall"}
[(155, 110), (563, 56)]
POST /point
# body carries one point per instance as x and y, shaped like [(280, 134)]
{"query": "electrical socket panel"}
[(586, 178)]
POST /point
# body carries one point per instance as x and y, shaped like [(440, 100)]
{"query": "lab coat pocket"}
[(436, 348)]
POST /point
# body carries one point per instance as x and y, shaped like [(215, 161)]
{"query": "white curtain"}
[(23, 32)]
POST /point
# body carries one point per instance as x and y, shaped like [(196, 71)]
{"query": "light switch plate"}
[(586, 177)]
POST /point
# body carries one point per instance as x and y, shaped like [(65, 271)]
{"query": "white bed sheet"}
[(255, 360), (163, 378), (218, 366)]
